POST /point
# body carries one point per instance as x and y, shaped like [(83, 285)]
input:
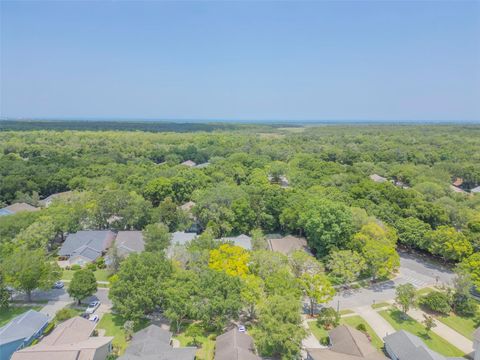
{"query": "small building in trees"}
[(49, 199), (128, 242), (244, 241), (153, 342), (16, 208), (287, 244), (84, 247), (235, 345), (346, 343), (189, 163), (377, 178)]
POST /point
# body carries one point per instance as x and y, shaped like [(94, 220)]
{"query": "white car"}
[(94, 318), (92, 307), (241, 328)]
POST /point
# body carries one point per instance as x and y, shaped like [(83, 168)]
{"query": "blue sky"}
[(342, 60)]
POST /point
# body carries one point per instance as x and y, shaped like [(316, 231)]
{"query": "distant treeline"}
[(154, 126)]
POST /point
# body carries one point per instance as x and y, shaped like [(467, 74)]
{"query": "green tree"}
[(429, 323), (317, 288), (158, 190), (259, 241), (405, 295), (157, 237), (252, 294), (128, 328), (139, 288), (412, 232), (449, 243), (471, 265), (4, 294), (83, 285), (280, 333), (345, 265), (381, 259), (28, 270), (302, 262), (328, 225)]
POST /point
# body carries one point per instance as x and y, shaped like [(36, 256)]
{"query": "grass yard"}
[(345, 312), (206, 349), (463, 325), (356, 320), (380, 305), (12, 311), (424, 291), (317, 331), (100, 274), (113, 325), (433, 341)]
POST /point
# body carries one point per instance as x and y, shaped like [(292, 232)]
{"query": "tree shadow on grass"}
[(401, 318)]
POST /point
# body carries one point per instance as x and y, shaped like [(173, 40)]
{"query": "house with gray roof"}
[(70, 340), (87, 246), (235, 345), (179, 239), (128, 242), (154, 343), (242, 240), (475, 190), (49, 199), (287, 244), (402, 345), (16, 208), (346, 343), (21, 331)]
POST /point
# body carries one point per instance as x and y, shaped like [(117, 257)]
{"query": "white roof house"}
[(377, 178)]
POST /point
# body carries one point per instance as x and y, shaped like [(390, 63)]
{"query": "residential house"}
[(281, 180), (128, 242), (202, 165), (235, 345), (16, 208), (377, 178), (70, 340), (179, 239), (476, 344), (189, 163), (87, 246), (49, 199), (21, 331), (187, 207), (287, 244), (346, 343), (242, 240), (154, 343), (402, 345)]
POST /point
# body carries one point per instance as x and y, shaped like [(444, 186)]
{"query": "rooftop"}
[(17, 207), (234, 345), (89, 244), (287, 244), (242, 240), (23, 326), (129, 241)]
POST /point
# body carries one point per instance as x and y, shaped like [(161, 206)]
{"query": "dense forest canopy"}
[(355, 193)]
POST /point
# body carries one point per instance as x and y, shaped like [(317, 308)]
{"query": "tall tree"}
[(28, 270), (345, 265), (405, 296), (139, 288), (83, 285), (317, 288), (157, 237), (231, 259), (381, 259)]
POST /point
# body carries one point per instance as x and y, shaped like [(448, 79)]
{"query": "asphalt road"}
[(62, 295), (414, 269)]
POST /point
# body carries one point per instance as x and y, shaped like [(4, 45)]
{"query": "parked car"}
[(58, 285), (94, 318), (241, 328), (92, 307), (85, 315)]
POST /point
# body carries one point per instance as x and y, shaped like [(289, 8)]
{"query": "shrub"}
[(325, 341), (101, 263), (76, 267), (65, 314), (361, 327), (464, 305), (92, 266), (48, 329), (328, 318), (437, 301)]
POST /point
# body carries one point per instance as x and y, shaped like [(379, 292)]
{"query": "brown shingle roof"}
[(21, 207), (288, 244), (234, 345)]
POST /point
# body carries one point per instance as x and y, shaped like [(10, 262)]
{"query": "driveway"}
[(413, 269)]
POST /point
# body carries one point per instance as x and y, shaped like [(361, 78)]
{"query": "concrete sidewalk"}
[(375, 320), (446, 332)]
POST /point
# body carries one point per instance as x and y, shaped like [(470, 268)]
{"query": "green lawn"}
[(100, 274), (433, 341), (12, 311), (317, 331), (345, 312), (464, 325), (380, 305), (424, 291), (206, 349), (354, 321), (113, 325)]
